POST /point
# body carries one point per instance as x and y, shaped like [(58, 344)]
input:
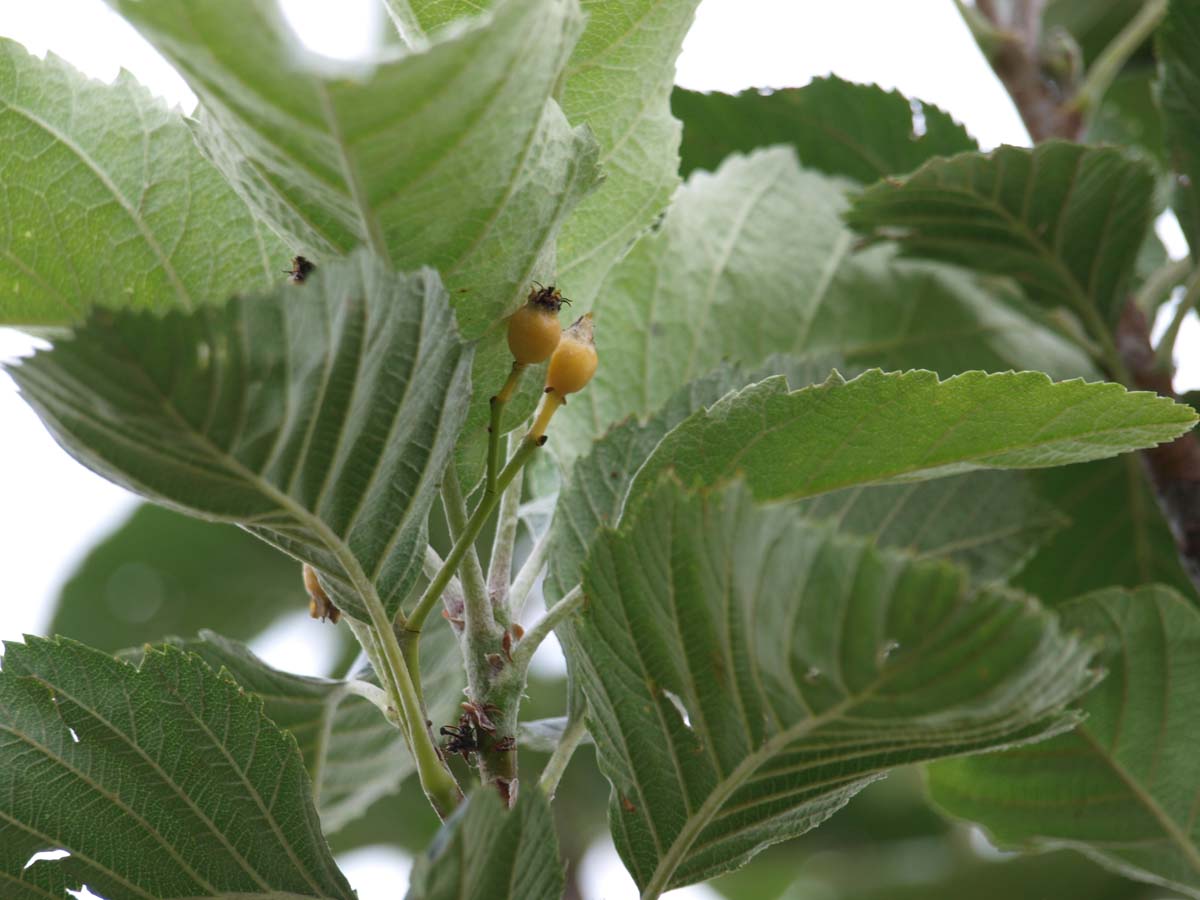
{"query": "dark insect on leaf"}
[(300, 270)]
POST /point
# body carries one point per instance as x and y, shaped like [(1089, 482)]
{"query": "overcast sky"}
[(56, 510)]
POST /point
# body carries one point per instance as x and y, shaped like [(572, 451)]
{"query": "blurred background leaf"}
[(161, 573), (859, 131)]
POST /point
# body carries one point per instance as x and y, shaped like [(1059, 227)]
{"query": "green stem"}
[(430, 566), (477, 607), (500, 564), (575, 732), (1159, 285), (365, 635), (377, 695), (466, 540), (487, 687), (541, 629), (523, 582), (436, 779), (1165, 351), (1110, 63), (495, 422), (1097, 329)]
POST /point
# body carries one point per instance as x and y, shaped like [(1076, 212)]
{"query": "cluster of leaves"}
[(831, 509)]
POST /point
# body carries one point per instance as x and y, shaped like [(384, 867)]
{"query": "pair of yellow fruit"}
[(534, 335)]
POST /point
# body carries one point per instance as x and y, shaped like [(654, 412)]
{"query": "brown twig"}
[(1045, 107), (1016, 58), (1174, 468)]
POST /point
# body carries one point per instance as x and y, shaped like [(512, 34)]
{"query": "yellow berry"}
[(574, 361), (534, 329)]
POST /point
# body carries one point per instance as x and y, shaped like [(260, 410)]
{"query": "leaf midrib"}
[(367, 217), (1084, 304), (35, 276), (52, 840), (115, 800), (122, 201), (697, 821), (1169, 826), (336, 546), (154, 765), (698, 318), (593, 60), (252, 791)]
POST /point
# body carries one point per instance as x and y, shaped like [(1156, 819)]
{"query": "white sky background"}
[(54, 510)]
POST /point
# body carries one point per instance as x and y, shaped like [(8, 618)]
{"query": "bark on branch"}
[(1174, 468), (1016, 57)]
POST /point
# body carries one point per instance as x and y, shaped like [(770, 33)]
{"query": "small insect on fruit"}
[(534, 329)]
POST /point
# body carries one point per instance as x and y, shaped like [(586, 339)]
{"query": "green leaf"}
[(747, 673), (1179, 93), (1117, 534), (594, 492), (1122, 786), (429, 16), (948, 870), (989, 522), (487, 852), (857, 130), (1066, 221), (619, 81), (189, 789), (753, 261), (1093, 25), (906, 426), (319, 418), (160, 573), (352, 753), (1129, 114), (454, 157), (106, 200)]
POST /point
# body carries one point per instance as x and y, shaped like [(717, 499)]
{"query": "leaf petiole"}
[(572, 736), (476, 608), (495, 422), (500, 564), (538, 632), (522, 584), (379, 640), (1109, 64), (1165, 351)]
